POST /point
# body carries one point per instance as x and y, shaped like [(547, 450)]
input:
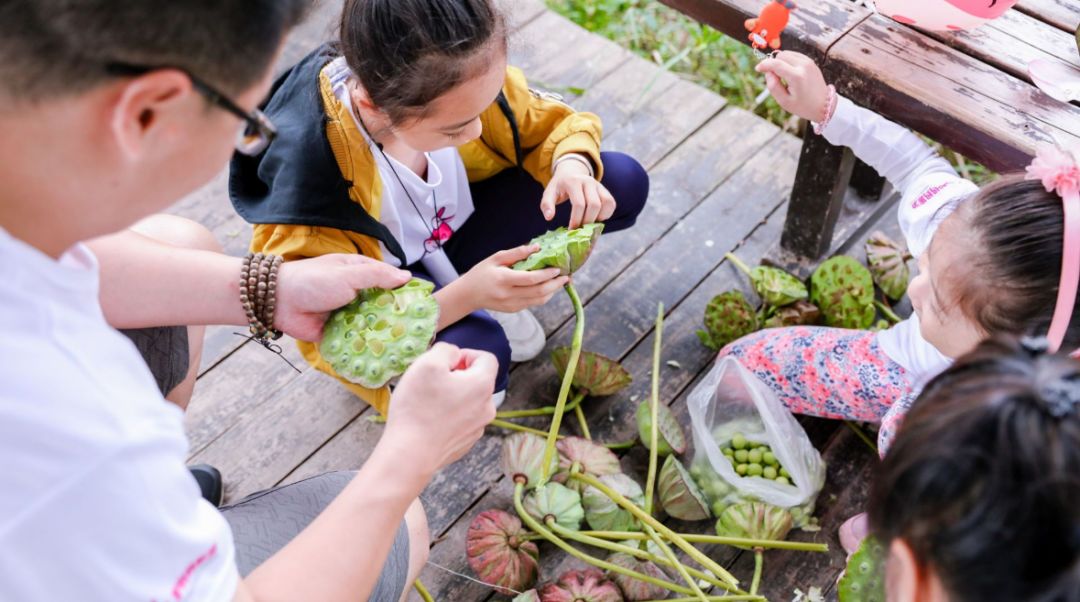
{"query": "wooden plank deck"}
[(721, 178)]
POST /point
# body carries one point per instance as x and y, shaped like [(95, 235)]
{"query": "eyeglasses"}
[(258, 131)]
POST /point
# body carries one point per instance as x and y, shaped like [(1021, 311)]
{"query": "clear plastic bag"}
[(730, 400)]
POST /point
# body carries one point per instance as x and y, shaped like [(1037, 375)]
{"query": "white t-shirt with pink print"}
[(930, 191)]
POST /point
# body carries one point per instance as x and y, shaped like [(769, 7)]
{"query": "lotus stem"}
[(738, 263), (544, 411), (422, 591), (654, 410), (518, 427), (568, 379), (611, 546), (647, 519), (678, 565), (759, 562), (887, 311), (861, 435), (582, 423), (535, 525), (622, 445), (798, 546)]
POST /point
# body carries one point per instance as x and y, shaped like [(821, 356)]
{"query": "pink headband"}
[(1059, 171)]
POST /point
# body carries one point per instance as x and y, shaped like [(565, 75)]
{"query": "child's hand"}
[(492, 284), (592, 202), (806, 93)]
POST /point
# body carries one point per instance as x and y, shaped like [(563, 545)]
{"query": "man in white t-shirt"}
[(110, 111)]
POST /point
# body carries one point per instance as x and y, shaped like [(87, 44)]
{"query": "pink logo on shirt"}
[(441, 233), (926, 196), (185, 578)]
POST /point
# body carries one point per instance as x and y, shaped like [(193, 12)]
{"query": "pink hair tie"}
[(1059, 170)]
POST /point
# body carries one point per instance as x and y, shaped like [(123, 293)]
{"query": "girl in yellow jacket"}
[(413, 142)]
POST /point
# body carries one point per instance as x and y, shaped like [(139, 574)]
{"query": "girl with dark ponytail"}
[(411, 141)]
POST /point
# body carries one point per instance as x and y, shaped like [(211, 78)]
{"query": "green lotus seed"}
[(727, 451), (754, 470), (742, 455), (738, 441), (769, 458), (397, 331), (784, 472), (718, 508), (359, 345), (374, 371), (695, 471), (755, 456), (769, 472), (384, 299), (377, 348), (783, 480), (742, 469)]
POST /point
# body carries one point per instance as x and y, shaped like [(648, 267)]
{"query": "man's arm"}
[(146, 283)]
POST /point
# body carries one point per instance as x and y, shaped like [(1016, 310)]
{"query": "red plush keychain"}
[(766, 28)]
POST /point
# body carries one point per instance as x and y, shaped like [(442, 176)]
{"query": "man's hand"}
[(309, 289), (572, 181), (441, 405)]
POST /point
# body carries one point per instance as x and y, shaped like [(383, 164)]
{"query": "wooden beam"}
[(816, 197)]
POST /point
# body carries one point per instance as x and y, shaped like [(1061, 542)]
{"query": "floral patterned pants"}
[(829, 373)]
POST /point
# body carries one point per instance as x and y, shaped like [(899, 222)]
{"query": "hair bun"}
[(1035, 345)]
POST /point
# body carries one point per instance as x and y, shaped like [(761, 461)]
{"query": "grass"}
[(701, 54)]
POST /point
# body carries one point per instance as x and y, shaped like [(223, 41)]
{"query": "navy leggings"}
[(508, 215)]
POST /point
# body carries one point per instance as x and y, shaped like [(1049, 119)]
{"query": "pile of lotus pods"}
[(572, 492), (841, 294)]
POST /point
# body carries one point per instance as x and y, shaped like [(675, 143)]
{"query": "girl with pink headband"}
[(990, 262)]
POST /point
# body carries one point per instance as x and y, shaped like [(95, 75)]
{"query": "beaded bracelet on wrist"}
[(258, 294)]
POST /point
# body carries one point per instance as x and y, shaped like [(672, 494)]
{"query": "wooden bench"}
[(968, 90)]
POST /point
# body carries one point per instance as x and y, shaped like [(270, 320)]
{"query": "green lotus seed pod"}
[(754, 456), (769, 472), (728, 316), (742, 469), (360, 335), (783, 480), (754, 520), (775, 286), (564, 249), (679, 495), (671, 437), (844, 291), (738, 441), (864, 578), (595, 376), (769, 458), (799, 313), (888, 264), (557, 501), (742, 456)]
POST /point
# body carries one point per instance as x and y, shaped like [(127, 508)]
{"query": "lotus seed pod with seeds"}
[(593, 458), (595, 376), (671, 437), (888, 264), (775, 286), (558, 501), (381, 333), (561, 248), (679, 495), (799, 313), (527, 596), (844, 291), (729, 316), (499, 554), (587, 585), (864, 577), (522, 456), (603, 514), (754, 520), (636, 590)]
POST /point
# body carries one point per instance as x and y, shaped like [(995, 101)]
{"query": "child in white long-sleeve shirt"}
[(990, 261)]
